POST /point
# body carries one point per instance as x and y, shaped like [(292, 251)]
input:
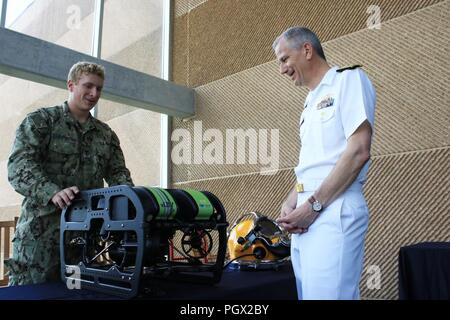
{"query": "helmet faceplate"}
[(255, 238)]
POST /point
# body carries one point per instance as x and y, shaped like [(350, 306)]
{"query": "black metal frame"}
[(149, 234)]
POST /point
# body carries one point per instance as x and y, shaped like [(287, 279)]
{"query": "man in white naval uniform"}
[(326, 211)]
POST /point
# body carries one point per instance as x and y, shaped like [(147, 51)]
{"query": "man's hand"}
[(289, 204), (299, 219), (285, 210), (64, 197)]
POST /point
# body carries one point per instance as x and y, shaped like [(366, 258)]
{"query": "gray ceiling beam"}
[(29, 58)]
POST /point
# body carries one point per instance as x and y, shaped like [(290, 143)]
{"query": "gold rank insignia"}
[(326, 102)]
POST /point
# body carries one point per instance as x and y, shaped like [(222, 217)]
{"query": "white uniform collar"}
[(326, 80)]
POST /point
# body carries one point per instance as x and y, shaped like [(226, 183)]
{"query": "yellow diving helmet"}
[(255, 241)]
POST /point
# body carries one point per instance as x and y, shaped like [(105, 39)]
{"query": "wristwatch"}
[(315, 204)]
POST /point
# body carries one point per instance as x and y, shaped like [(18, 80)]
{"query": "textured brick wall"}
[(218, 38)]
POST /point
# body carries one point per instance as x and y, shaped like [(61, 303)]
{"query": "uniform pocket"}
[(63, 156), (62, 148), (326, 114), (331, 134), (354, 211), (335, 213), (102, 154), (96, 159)]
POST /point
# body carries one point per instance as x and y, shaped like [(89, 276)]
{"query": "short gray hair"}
[(297, 36)]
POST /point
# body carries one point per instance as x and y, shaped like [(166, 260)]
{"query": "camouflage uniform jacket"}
[(53, 151)]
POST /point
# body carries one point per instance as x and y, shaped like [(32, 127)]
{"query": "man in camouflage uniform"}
[(57, 152)]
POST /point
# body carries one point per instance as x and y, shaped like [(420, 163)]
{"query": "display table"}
[(424, 271), (235, 285)]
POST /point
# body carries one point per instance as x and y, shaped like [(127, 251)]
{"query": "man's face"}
[(291, 62), (85, 94)]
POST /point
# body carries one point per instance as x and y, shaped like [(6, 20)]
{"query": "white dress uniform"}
[(328, 258)]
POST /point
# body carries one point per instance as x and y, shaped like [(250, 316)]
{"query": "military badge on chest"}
[(326, 102)]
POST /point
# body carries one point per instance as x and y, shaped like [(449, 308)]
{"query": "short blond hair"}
[(84, 67)]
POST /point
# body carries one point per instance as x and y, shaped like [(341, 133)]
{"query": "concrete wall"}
[(223, 50)]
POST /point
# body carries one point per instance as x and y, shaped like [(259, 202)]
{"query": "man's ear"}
[(308, 50), (70, 85)]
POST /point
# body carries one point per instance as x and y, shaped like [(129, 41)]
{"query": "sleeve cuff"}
[(47, 192), (355, 125)]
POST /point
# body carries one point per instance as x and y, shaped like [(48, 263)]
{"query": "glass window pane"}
[(15, 9), (139, 134), (132, 37), (68, 23), (18, 98), (132, 34), (138, 46)]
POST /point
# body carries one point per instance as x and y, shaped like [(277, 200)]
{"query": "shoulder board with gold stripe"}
[(349, 68)]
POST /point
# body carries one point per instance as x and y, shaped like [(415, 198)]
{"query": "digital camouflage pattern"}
[(53, 151)]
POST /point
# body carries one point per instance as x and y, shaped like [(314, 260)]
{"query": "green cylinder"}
[(166, 204), (205, 208)]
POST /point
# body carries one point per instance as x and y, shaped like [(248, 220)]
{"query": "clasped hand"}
[(297, 220)]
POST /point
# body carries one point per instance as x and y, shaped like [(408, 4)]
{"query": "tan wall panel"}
[(258, 98), (184, 6), (226, 37), (411, 77), (179, 52), (407, 201), (410, 115)]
